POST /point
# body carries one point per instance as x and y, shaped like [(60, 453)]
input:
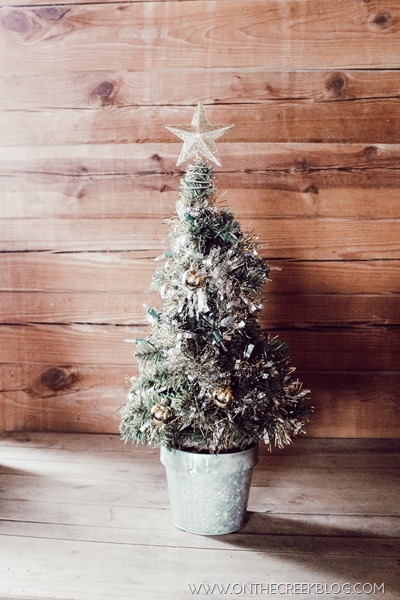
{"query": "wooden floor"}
[(86, 517)]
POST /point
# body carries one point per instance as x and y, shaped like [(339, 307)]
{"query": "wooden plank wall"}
[(88, 173)]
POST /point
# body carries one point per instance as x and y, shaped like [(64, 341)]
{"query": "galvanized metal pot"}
[(209, 492)]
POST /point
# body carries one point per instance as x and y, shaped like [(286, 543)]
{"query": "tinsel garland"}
[(210, 379)]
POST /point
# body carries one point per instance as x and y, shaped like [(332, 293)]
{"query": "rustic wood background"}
[(88, 174)]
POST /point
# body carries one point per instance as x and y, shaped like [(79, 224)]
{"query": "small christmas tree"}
[(210, 379)]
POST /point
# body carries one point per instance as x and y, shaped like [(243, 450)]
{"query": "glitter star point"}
[(199, 137)]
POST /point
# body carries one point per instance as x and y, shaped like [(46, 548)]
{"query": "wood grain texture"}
[(347, 402), (28, 195), (67, 504), (97, 574), (290, 35), (305, 168), (70, 449), (370, 121), (153, 491), (87, 398), (321, 239), (131, 273), (307, 310), (87, 174), (239, 159), (325, 349), (215, 86), (63, 397)]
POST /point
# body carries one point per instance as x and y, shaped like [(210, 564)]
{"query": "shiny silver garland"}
[(223, 382)]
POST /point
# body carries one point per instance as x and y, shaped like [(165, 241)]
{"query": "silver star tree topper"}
[(199, 137)]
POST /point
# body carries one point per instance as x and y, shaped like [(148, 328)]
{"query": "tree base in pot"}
[(209, 492)]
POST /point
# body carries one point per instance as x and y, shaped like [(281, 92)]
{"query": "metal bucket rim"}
[(196, 462)]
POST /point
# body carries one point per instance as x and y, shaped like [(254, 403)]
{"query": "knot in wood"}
[(104, 91), (369, 152), (301, 166), (383, 20), (336, 84), (17, 21), (52, 13), (57, 379)]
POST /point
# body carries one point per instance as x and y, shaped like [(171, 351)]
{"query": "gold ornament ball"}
[(160, 414), (192, 279), (223, 397)]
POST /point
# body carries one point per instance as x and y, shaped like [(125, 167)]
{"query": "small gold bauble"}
[(223, 397), (192, 279), (160, 414)]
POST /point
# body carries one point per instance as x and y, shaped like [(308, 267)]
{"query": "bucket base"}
[(209, 492), (221, 531)]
